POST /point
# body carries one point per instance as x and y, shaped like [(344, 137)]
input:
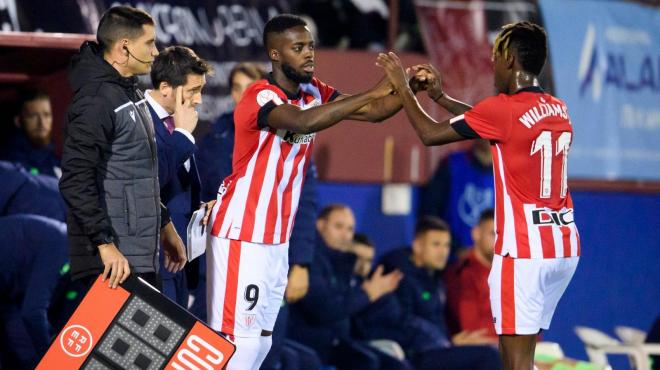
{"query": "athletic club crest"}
[(249, 319)]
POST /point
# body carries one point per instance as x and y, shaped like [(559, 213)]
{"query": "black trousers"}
[(459, 358)]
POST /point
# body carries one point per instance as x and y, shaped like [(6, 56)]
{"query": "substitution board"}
[(134, 327)]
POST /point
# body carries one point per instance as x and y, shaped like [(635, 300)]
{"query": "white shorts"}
[(245, 285), (524, 292)]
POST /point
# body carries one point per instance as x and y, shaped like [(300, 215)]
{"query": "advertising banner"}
[(223, 32), (606, 67)]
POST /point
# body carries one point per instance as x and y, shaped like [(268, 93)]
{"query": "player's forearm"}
[(321, 117), (379, 109), (455, 107), (424, 125)]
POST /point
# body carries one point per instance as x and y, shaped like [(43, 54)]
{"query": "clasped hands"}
[(421, 77)]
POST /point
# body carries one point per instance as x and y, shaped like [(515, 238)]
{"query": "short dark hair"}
[(430, 223), (250, 69), (528, 41), (487, 215), (281, 23), (175, 63), (325, 212), (121, 22), (30, 94), (362, 239)]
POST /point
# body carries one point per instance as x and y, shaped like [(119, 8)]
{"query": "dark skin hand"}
[(427, 74), (383, 108), (429, 130)]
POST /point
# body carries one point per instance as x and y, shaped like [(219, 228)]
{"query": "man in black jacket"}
[(109, 162)]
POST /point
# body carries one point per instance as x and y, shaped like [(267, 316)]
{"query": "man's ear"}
[(319, 224), (416, 245), (165, 89), (122, 45), (17, 121), (274, 55), (476, 234), (510, 60)]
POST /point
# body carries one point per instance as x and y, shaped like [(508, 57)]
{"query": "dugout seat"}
[(630, 335), (598, 345)]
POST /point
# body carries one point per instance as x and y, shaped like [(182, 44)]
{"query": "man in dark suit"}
[(178, 77)]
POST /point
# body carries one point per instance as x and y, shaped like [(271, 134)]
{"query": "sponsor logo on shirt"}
[(542, 216), (293, 138)]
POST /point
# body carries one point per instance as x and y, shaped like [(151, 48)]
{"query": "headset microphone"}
[(129, 53)]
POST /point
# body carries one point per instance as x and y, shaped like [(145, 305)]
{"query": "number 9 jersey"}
[(530, 134)]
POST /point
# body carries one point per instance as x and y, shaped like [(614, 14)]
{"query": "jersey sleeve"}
[(489, 119), (258, 101), (328, 93)]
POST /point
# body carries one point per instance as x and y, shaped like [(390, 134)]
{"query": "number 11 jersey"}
[(531, 135)]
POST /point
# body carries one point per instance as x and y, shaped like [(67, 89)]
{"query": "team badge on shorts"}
[(249, 319)]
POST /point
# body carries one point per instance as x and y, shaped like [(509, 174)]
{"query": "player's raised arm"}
[(377, 110), (305, 121), (383, 108), (429, 130)]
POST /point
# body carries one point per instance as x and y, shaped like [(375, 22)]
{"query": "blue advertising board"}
[(606, 67)]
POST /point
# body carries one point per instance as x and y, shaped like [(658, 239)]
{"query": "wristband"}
[(439, 97)]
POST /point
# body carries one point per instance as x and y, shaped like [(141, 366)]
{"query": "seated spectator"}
[(420, 327), (322, 319), (35, 252), (365, 251), (24, 193), (32, 145), (468, 296)]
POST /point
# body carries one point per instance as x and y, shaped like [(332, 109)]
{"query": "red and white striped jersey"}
[(257, 203), (530, 134)]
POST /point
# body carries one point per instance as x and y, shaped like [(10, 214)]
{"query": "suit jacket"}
[(179, 188)]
